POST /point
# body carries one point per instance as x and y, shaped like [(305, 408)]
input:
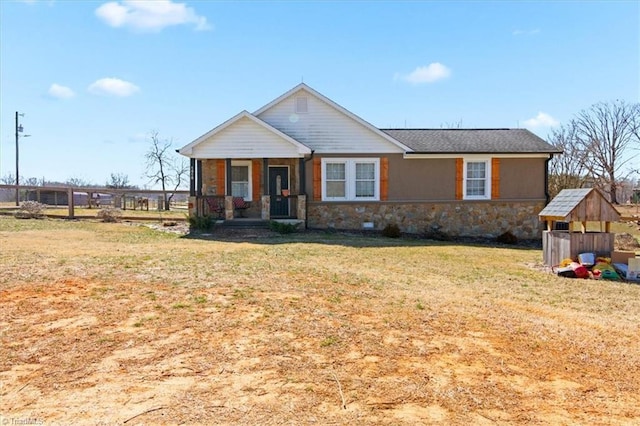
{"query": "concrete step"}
[(243, 223)]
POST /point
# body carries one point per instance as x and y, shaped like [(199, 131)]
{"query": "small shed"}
[(576, 208)]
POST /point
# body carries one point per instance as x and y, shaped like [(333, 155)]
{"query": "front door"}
[(279, 190)]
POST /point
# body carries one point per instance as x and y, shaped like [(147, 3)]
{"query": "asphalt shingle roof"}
[(442, 141), (563, 204)]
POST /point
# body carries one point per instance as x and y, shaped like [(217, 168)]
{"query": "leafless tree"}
[(164, 167), (8, 179), (78, 182), (608, 135), (566, 170), (118, 181)]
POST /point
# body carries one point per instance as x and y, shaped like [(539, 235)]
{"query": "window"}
[(351, 179), (477, 180), (241, 179)]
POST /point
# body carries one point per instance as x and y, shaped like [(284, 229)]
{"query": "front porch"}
[(269, 207), (262, 189)]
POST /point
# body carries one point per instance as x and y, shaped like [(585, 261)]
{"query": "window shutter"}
[(459, 177), (495, 178), (220, 177), (317, 179), (384, 179), (255, 179)]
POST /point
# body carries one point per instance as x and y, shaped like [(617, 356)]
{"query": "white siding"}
[(324, 128), (245, 139)]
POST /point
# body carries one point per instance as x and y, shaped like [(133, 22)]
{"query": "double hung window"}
[(351, 179)]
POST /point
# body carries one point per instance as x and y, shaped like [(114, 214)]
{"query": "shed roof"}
[(579, 205), (481, 141)]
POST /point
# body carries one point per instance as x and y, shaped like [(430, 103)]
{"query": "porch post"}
[(265, 175), (199, 178), (192, 177), (303, 176), (229, 176)]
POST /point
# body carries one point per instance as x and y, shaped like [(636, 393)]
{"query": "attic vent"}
[(301, 105)]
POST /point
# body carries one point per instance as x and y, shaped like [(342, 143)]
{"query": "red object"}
[(579, 270)]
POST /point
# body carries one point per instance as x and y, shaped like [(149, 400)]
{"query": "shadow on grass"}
[(354, 239)]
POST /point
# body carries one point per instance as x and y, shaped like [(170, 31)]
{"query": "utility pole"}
[(18, 129)]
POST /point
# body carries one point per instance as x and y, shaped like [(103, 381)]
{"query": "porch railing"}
[(267, 206)]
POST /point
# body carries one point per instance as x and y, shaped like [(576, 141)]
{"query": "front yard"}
[(112, 324)]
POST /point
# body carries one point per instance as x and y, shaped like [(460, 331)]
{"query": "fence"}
[(12, 196)]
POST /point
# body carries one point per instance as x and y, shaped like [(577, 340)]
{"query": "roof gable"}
[(244, 136), (580, 205), (327, 127)]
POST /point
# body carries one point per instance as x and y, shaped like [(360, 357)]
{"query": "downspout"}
[(546, 179), (306, 211)]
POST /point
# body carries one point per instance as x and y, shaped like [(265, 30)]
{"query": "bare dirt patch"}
[(155, 329)]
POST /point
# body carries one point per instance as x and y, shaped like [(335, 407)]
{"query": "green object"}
[(610, 275)]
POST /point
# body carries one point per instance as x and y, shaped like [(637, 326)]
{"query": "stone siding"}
[(465, 219)]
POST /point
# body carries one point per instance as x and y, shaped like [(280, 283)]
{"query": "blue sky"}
[(95, 77)]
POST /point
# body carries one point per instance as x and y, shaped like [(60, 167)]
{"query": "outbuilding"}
[(569, 216)]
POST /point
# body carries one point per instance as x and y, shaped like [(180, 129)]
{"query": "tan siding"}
[(421, 179), (522, 178), (244, 139), (325, 129)]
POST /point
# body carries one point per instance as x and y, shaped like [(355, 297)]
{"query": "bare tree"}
[(164, 168), (566, 170), (8, 179), (78, 182), (607, 133), (118, 181)]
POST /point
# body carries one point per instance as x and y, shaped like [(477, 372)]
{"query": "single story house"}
[(304, 157)]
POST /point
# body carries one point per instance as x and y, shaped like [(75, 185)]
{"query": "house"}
[(304, 157)]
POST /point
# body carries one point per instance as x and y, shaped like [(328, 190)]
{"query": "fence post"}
[(70, 203)]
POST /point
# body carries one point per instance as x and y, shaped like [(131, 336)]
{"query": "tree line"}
[(600, 147)]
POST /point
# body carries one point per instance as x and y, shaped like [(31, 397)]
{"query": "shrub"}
[(31, 210), (283, 228), (109, 214), (202, 223), (507, 238), (391, 231)]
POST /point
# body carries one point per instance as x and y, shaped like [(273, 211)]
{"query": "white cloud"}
[(147, 15), (426, 74), (113, 87), (60, 92), (526, 32), (541, 120)]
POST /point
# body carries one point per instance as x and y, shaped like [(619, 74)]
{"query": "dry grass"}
[(104, 323)]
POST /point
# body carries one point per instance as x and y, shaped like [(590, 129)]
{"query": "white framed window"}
[(477, 179), (351, 179), (241, 179)]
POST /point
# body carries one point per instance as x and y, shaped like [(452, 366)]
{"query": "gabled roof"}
[(187, 149), (338, 107), (477, 141), (583, 204)]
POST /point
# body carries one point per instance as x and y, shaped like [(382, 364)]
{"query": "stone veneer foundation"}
[(463, 219)]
